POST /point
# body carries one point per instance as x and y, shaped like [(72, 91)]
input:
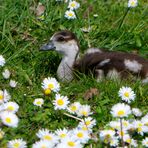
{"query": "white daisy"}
[(62, 133), (134, 143), (73, 5), (82, 126), (2, 61), (1, 134), (89, 122), (132, 3), (74, 107), (120, 110), (140, 127), (11, 107), (4, 96), (115, 125), (84, 111), (144, 120), (9, 119), (81, 135), (45, 134), (13, 83), (17, 143), (6, 74), (122, 133), (69, 14), (60, 102), (38, 102), (145, 142), (43, 144), (114, 142), (69, 142), (126, 124), (126, 94), (107, 135), (137, 112), (127, 138), (51, 83)]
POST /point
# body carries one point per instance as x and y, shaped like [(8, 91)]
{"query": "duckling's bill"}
[(48, 46)]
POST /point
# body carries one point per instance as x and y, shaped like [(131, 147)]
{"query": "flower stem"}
[(127, 10), (87, 128), (72, 116), (122, 142)]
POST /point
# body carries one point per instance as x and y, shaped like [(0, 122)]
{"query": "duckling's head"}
[(64, 42)]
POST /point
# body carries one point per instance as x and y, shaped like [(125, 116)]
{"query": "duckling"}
[(100, 63)]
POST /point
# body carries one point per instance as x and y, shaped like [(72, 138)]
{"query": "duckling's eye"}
[(60, 39)]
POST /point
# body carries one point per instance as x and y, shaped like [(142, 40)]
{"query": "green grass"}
[(22, 34)]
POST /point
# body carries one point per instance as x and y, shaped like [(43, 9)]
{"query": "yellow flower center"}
[(47, 137), (121, 133), (71, 143), (50, 86), (112, 142), (38, 102), (8, 120), (84, 128), (16, 145), (47, 91), (125, 124), (121, 113), (140, 124), (70, 14), (60, 102), (43, 146), (10, 108), (73, 5), (73, 108), (84, 113), (139, 129), (128, 140), (132, 3), (80, 135), (126, 94), (1, 97), (87, 122), (63, 135), (116, 126), (107, 136)]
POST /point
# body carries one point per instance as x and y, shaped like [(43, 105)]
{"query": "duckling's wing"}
[(107, 61)]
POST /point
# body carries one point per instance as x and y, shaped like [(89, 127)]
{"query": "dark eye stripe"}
[(60, 39)]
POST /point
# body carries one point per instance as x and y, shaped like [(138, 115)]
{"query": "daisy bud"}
[(6, 74), (1, 134), (2, 61), (12, 83)]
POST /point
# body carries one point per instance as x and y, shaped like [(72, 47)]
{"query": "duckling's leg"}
[(99, 74), (145, 81), (113, 74)]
